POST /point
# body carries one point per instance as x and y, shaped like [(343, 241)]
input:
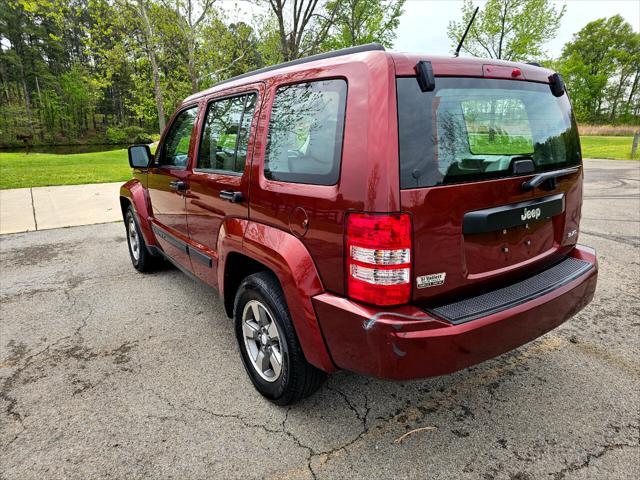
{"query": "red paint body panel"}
[(136, 193), (168, 211), (206, 211), (470, 67), (476, 261), (402, 349), (168, 206), (230, 238)]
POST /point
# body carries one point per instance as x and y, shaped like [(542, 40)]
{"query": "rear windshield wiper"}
[(547, 177)]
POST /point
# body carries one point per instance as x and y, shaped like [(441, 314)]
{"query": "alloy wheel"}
[(262, 340), (134, 242)]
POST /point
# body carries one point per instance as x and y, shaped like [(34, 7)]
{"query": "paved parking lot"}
[(107, 373)]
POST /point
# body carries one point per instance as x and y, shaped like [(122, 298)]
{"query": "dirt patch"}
[(35, 254), (16, 352)]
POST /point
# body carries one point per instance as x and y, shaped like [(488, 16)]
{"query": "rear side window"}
[(305, 133), (225, 134), (472, 129)]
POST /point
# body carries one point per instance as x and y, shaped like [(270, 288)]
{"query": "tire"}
[(260, 295), (141, 259)]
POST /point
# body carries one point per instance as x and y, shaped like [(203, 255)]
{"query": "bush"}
[(132, 134), (116, 135), (137, 135)]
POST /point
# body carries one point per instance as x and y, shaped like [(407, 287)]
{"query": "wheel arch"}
[(266, 248), (237, 267), (134, 194)]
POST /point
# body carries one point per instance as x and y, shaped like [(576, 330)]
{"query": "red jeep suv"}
[(400, 216)]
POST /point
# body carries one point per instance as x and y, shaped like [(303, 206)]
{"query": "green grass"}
[(481, 144), (618, 148), (18, 170)]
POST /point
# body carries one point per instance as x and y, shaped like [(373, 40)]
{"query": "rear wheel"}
[(141, 259), (268, 344)]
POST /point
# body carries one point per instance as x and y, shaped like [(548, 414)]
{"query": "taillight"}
[(379, 258)]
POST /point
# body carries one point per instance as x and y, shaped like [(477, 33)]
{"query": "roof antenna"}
[(473, 17)]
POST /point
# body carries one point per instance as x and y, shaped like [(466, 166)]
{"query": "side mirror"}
[(140, 156)]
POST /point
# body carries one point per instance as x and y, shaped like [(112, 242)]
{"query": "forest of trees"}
[(114, 70)]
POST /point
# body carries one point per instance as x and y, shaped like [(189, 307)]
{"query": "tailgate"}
[(465, 151), (443, 250)]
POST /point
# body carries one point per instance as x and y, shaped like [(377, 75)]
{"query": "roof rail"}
[(312, 58)]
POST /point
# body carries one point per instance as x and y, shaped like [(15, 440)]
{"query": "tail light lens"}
[(379, 258)]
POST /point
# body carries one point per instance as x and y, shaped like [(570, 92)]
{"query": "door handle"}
[(178, 185), (232, 196)]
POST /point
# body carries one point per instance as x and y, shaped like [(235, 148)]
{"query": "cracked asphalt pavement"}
[(108, 373)]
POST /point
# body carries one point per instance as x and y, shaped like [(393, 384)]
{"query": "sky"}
[(423, 25)]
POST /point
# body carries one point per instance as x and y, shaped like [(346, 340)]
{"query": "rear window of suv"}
[(471, 129)]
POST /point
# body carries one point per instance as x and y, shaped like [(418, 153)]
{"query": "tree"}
[(192, 15), (507, 29), (35, 52), (268, 35), (140, 9), (305, 27), (229, 50), (601, 66), (150, 44), (23, 22), (358, 22), (114, 44), (77, 71)]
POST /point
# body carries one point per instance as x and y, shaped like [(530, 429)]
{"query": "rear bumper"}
[(406, 343)]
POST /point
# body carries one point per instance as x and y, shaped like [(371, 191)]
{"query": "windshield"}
[(471, 129)]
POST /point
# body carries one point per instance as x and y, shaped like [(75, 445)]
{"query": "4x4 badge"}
[(432, 280)]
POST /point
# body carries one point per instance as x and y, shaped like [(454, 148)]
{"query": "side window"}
[(305, 133), (225, 134), (243, 136), (175, 151)]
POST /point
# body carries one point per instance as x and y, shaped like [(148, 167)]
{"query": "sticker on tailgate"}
[(432, 280)]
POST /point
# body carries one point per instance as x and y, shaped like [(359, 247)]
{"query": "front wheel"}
[(141, 259), (268, 343)]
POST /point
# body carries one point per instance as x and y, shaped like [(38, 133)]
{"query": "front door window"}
[(175, 152)]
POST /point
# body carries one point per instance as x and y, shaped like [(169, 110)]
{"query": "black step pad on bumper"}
[(515, 294)]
